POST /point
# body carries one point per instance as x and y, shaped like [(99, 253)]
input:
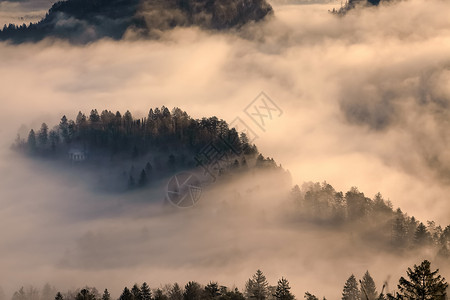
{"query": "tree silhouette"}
[(31, 142), (422, 237), (59, 296), (192, 291), (106, 295), (351, 291), (368, 288), (423, 284), (257, 286), (212, 290), (175, 293), (309, 296), (126, 294), (146, 293), (282, 291), (136, 292)]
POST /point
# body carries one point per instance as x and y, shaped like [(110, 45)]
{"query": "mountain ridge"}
[(84, 21)]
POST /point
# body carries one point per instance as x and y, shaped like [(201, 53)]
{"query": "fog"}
[(365, 103)]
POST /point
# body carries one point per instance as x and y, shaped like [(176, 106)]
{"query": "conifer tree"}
[(257, 286), (175, 293), (309, 296), (106, 295), (282, 291), (368, 288), (192, 291), (136, 292), (146, 293), (351, 291), (422, 284), (126, 294)]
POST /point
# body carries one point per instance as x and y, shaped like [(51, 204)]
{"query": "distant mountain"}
[(83, 21)]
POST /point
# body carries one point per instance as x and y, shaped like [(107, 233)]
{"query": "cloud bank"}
[(364, 100)]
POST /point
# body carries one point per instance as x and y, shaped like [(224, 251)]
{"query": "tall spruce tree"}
[(136, 292), (282, 291), (257, 287), (192, 291), (423, 284), (368, 288), (126, 294), (106, 295), (146, 293), (175, 293), (422, 237), (351, 290)]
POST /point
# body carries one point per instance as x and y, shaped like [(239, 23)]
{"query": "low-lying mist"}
[(365, 103)]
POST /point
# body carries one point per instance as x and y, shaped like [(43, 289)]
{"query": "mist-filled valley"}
[(355, 100)]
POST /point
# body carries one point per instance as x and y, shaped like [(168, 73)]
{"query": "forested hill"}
[(137, 149), (133, 153), (351, 4), (83, 21)]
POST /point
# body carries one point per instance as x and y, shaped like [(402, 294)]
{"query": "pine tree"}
[(422, 284), (59, 296), (175, 292), (422, 237), (43, 135), (368, 288), (136, 292), (146, 293), (309, 296), (85, 294), (31, 142), (106, 295), (192, 291), (399, 230), (282, 291), (212, 290), (351, 291), (64, 130), (159, 295), (126, 294), (257, 286)]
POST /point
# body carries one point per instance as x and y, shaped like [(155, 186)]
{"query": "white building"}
[(76, 155)]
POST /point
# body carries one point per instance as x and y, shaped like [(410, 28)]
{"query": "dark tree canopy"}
[(423, 284)]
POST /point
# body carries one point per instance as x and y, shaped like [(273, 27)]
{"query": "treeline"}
[(421, 283), (351, 4), (163, 142), (374, 220), (123, 134)]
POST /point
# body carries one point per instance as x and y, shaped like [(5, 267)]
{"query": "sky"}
[(364, 101)]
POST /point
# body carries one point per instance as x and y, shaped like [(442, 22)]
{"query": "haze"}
[(365, 103)]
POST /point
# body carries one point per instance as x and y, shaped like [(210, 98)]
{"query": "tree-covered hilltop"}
[(352, 4), (421, 283), (141, 149), (83, 21), (373, 221)]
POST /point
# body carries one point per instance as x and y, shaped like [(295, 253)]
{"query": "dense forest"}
[(374, 221), (352, 4), (421, 282), (138, 150), (83, 21)]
